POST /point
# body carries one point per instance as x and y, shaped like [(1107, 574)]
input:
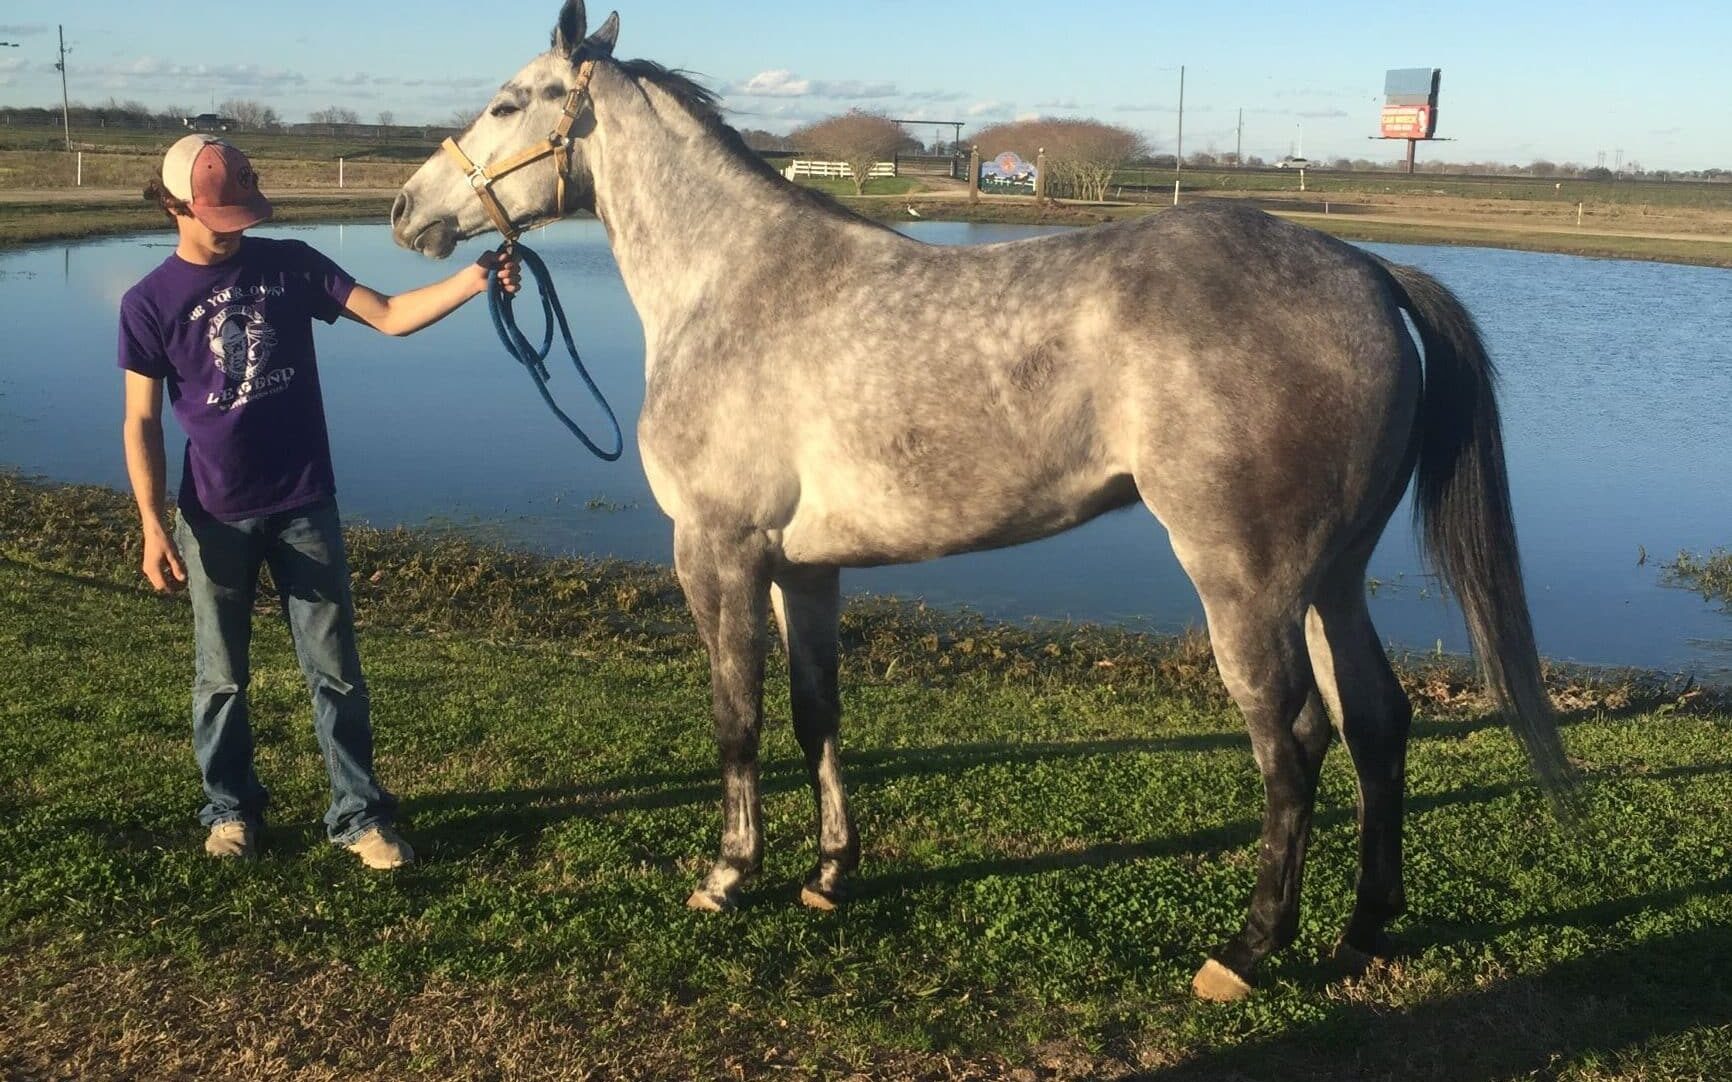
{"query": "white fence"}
[(798, 168)]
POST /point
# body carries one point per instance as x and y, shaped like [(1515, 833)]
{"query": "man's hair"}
[(157, 192)]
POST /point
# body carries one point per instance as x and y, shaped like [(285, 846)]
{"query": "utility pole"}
[(65, 108), (1239, 147), (1179, 154)]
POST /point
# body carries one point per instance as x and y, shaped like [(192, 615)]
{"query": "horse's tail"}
[(1463, 509)]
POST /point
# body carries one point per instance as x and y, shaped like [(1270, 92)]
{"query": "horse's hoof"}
[(1359, 962), (1218, 984), (812, 898), (707, 902), (1355, 961)]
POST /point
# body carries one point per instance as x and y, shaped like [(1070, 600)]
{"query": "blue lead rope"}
[(533, 360)]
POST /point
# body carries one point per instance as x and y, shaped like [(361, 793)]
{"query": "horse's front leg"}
[(726, 577)]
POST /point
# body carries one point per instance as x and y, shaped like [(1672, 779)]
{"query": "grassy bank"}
[(1514, 235), (1056, 825), (55, 217), (39, 223)]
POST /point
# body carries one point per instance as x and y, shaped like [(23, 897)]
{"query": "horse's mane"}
[(702, 104)]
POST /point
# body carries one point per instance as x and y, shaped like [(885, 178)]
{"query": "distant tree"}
[(250, 115), (1342, 164), (334, 114), (387, 118), (1598, 172), (1081, 155), (860, 139), (462, 118), (1254, 162), (761, 140), (1202, 159)]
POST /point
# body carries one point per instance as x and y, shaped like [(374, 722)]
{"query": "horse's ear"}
[(568, 31), (601, 42)]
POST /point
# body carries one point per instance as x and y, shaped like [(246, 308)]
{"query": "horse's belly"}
[(863, 525)]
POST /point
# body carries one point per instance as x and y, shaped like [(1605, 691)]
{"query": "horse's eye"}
[(504, 109)]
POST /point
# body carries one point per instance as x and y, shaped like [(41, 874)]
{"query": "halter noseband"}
[(557, 143)]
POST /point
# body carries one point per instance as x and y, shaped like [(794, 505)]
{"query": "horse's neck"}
[(683, 214)]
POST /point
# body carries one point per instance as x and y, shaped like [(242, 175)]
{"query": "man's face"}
[(208, 239)]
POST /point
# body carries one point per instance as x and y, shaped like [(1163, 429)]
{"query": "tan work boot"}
[(233, 840), (382, 848)]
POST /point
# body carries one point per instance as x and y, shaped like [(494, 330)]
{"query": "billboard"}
[(1007, 168), (1410, 102)]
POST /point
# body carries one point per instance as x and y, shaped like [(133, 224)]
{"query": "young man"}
[(226, 323)]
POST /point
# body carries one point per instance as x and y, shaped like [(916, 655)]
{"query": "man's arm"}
[(407, 313), (145, 465)]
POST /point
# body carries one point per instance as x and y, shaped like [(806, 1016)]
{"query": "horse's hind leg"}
[(807, 602), (1260, 648), (1373, 714), (725, 575)]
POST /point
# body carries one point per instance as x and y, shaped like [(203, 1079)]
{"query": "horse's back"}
[(931, 400)]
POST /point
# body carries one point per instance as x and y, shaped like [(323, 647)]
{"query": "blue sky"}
[(1522, 80)]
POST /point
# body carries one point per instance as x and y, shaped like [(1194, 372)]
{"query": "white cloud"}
[(779, 83), (22, 30), (150, 71), (782, 83)]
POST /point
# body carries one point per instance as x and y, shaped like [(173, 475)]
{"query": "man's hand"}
[(509, 268), (163, 565)]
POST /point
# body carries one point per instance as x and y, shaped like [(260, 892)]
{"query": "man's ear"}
[(568, 30), (601, 42)]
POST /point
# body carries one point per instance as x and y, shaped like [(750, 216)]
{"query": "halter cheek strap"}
[(557, 145)]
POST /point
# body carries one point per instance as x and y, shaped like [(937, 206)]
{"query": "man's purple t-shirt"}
[(234, 343)]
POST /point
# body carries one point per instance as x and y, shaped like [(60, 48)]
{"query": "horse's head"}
[(439, 206)]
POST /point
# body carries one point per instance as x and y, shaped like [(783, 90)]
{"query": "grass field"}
[(1676, 222), (31, 223), (1564, 191), (1056, 825)]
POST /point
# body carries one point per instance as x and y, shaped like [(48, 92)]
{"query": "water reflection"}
[(1615, 380)]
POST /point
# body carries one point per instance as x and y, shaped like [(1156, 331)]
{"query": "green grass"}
[(1561, 190), (400, 147), (33, 223), (1051, 844), (840, 188)]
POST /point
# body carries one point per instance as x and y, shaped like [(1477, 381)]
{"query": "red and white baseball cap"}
[(216, 181)]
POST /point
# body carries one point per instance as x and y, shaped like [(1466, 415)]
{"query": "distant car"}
[(1291, 162), (208, 122)]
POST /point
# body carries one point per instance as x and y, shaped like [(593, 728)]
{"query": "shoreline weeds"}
[(423, 581), (28, 219)]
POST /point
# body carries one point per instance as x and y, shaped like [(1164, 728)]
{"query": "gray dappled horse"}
[(822, 392)]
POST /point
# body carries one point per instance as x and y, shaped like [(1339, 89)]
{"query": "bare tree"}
[(251, 115), (462, 118), (334, 114), (761, 140), (1081, 155), (858, 138), (387, 118)]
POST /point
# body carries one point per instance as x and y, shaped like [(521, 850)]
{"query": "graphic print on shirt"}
[(241, 342)]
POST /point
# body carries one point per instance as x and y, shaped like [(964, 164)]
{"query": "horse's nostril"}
[(400, 208)]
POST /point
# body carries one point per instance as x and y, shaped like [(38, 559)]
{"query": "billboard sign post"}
[(1410, 106)]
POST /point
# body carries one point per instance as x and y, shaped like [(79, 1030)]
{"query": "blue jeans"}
[(304, 549)]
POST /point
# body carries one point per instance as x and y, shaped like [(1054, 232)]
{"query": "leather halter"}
[(557, 145)]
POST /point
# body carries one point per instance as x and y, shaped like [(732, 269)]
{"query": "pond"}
[(1615, 390)]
